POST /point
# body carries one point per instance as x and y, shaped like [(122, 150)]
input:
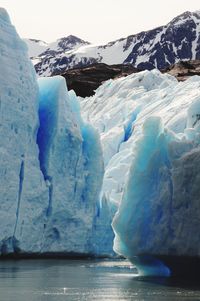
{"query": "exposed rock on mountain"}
[(184, 69), (166, 45), (84, 81)]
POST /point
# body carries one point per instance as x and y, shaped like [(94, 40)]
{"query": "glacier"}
[(69, 167), (51, 164), (118, 111), (21, 179), (149, 128), (159, 212)]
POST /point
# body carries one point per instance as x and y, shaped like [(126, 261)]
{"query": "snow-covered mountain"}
[(42, 54), (156, 48)]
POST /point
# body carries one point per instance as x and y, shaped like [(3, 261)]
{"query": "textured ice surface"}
[(159, 211), (70, 158), (149, 127), (23, 191), (119, 109), (51, 165)]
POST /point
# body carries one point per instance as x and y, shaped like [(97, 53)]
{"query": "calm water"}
[(85, 280)]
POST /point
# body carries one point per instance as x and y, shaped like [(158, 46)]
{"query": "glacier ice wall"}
[(71, 162), (159, 212), (119, 109), (149, 128), (51, 165), (115, 110), (21, 179)]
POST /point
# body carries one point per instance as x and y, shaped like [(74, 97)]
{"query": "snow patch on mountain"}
[(35, 48)]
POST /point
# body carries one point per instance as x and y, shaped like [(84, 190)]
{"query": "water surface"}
[(86, 280)]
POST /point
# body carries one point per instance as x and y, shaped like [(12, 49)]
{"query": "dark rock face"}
[(84, 81), (184, 69)]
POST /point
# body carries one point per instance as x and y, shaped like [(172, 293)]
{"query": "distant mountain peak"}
[(72, 38), (184, 16), (68, 43)]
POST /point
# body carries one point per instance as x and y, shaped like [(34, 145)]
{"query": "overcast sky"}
[(97, 21)]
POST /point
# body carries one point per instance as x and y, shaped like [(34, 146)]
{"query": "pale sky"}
[(97, 21)]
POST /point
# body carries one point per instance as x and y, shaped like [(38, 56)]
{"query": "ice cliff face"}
[(21, 180), (117, 110), (51, 165), (159, 212), (149, 127)]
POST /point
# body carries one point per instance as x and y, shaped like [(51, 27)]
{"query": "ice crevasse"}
[(51, 165)]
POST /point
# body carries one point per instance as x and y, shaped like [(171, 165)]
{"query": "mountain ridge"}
[(157, 48)]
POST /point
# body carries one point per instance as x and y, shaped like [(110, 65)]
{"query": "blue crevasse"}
[(101, 241), (72, 165), (128, 127)]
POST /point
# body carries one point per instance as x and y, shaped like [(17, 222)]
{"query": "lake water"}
[(86, 280)]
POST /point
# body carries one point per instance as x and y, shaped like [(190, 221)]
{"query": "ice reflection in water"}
[(78, 280)]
